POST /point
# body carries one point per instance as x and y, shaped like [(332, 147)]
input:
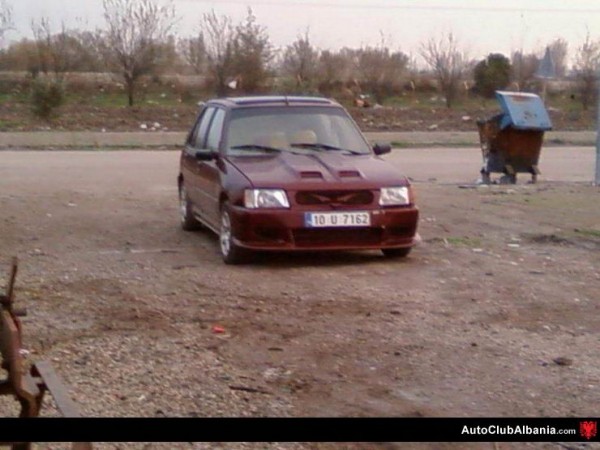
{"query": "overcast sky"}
[(483, 26)]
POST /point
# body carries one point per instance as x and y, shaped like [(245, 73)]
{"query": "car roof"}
[(273, 100)]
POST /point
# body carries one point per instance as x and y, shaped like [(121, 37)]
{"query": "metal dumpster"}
[(511, 141)]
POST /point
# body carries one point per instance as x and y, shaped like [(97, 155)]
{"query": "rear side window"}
[(216, 130), (199, 135)]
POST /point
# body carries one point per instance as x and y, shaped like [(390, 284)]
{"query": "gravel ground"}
[(494, 315)]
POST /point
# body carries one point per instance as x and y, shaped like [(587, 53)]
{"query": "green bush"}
[(491, 74), (46, 97)]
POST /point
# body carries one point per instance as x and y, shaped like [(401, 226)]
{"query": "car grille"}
[(334, 197), (335, 237)]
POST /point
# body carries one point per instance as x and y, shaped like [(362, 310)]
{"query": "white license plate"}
[(337, 219)]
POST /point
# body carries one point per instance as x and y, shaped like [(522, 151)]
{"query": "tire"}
[(396, 252), (231, 253), (188, 221)]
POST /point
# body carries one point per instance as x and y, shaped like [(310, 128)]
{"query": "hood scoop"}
[(349, 174), (306, 174)]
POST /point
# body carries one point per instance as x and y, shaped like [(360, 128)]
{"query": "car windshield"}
[(296, 129)]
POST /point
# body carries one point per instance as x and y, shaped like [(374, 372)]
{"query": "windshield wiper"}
[(265, 148), (323, 147)]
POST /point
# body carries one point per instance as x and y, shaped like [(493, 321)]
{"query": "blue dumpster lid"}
[(523, 111)]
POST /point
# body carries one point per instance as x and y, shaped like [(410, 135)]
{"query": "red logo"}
[(588, 429)]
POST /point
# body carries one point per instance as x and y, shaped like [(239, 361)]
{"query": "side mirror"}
[(205, 155), (382, 149)]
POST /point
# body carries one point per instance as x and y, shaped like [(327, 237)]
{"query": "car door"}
[(190, 163), (209, 177)]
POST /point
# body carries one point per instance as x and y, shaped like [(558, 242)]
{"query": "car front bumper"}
[(286, 230)]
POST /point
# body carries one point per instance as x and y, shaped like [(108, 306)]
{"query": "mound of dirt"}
[(15, 116)]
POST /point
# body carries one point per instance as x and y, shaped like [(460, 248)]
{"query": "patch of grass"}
[(8, 124), (463, 241), (587, 232), (8, 97), (119, 99)]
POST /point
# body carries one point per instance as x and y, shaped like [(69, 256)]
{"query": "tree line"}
[(137, 40)]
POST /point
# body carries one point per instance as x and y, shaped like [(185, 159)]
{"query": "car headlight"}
[(395, 196), (265, 198)]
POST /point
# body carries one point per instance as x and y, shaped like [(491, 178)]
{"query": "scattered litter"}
[(217, 329), (562, 361), (249, 389), (477, 250), (514, 245), (143, 126)]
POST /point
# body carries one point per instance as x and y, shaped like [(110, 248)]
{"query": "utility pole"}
[(597, 177)]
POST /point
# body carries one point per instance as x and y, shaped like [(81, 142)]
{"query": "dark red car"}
[(292, 173)]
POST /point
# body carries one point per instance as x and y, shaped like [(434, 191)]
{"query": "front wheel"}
[(396, 252), (231, 253)]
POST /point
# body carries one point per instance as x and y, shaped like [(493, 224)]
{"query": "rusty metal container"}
[(511, 142)]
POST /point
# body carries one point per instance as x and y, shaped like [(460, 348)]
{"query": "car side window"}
[(199, 135), (216, 130)]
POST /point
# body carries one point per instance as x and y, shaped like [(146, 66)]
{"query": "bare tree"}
[(586, 67), (56, 52), (448, 63), (85, 46), (380, 69), (19, 56), (300, 61), (135, 30), (6, 22), (333, 66), (334, 70), (559, 50), (523, 70), (219, 37), (193, 51)]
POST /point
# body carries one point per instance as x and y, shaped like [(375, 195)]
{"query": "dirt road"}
[(495, 314)]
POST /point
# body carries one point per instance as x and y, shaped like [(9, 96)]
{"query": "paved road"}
[(445, 165)]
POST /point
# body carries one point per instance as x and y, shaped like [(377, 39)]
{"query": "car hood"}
[(332, 168)]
